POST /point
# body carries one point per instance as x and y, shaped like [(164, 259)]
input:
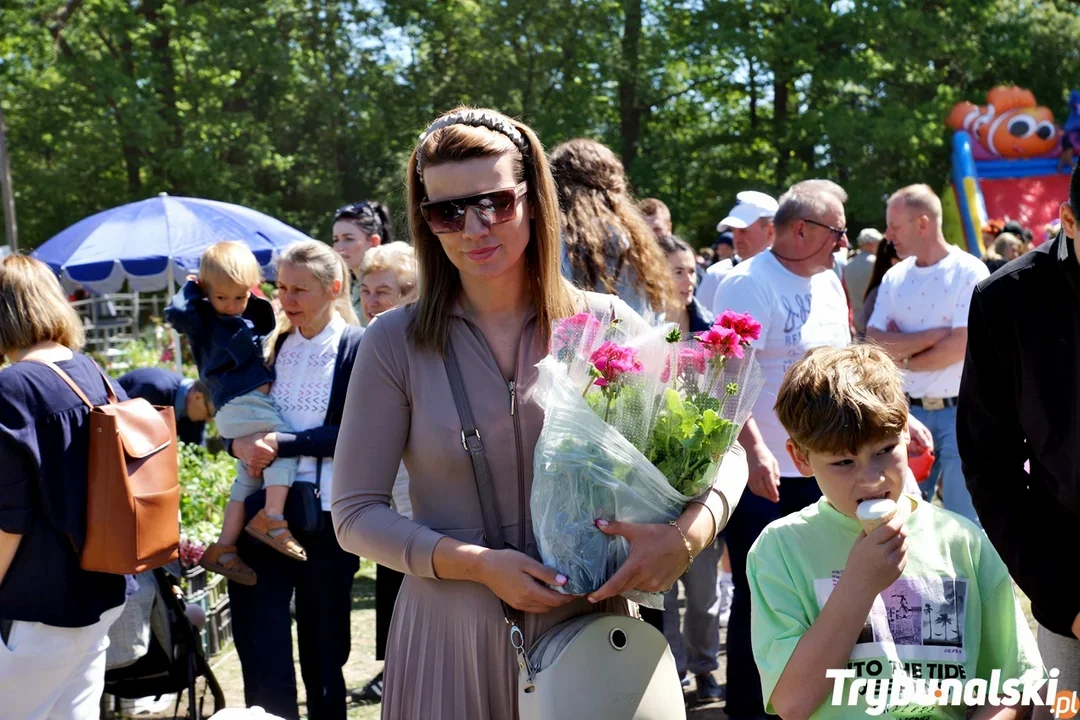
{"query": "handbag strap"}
[(74, 387), (470, 440)]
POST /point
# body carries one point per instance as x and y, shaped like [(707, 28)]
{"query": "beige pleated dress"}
[(449, 655)]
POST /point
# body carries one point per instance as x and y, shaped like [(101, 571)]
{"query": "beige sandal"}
[(234, 568), (261, 528)]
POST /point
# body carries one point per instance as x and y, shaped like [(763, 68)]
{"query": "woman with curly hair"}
[(607, 245)]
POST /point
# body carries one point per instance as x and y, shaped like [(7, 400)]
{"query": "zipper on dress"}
[(522, 508), (512, 387)]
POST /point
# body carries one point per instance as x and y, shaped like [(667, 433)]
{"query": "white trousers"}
[(54, 673)]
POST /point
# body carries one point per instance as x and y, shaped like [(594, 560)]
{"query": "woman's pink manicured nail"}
[(602, 523), (560, 579)]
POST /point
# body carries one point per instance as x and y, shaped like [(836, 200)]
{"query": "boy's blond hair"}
[(397, 257), (835, 400), (229, 262)]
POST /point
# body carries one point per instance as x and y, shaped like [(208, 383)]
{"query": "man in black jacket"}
[(1019, 403), (190, 398)]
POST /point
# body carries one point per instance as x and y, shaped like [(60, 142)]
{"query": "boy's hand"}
[(877, 560)]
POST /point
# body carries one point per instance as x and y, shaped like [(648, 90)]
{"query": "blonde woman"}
[(387, 278), (485, 224), (54, 616), (312, 360)]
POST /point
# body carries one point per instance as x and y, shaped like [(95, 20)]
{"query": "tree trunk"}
[(781, 92), (630, 111), (131, 149), (172, 138), (752, 90), (7, 195), (132, 154)]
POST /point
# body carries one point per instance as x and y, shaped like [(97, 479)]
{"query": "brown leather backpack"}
[(133, 489)]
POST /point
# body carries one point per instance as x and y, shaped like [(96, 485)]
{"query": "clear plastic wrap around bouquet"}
[(636, 426)]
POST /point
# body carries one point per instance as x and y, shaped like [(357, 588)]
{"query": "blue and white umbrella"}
[(154, 243)]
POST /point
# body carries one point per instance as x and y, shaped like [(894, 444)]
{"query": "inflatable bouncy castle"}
[(1007, 164)]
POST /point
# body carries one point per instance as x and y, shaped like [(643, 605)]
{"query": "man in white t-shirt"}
[(799, 301), (921, 318), (751, 226)]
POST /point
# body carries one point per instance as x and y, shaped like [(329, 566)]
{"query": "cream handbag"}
[(596, 666), (601, 667)]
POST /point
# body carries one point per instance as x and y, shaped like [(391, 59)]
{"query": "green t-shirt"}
[(952, 615)]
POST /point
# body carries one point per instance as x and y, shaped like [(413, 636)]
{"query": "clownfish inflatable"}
[(1011, 125)]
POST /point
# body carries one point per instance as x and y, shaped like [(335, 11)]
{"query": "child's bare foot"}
[(223, 560), (275, 533)]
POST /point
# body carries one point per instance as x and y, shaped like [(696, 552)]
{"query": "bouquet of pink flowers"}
[(637, 423)]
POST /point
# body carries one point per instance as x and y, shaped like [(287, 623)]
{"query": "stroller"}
[(170, 657)]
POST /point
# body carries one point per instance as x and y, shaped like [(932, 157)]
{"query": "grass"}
[(360, 668)]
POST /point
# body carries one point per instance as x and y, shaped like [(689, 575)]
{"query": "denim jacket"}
[(228, 350)]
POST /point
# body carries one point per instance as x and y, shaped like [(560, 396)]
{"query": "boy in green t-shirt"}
[(898, 620)]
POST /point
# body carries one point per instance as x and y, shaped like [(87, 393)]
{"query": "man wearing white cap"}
[(751, 225)]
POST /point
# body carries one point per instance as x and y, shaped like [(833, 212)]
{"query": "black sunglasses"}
[(839, 232), (495, 207)]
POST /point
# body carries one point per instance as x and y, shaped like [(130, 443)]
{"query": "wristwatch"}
[(907, 363)]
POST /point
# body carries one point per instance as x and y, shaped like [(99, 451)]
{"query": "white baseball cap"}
[(750, 206)]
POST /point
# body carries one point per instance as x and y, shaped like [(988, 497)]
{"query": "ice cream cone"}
[(872, 514)]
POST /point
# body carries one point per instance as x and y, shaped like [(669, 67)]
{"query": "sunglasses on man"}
[(838, 232), (493, 208)]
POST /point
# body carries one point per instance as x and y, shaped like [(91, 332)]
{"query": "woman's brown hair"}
[(33, 308), (440, 283), (886, 254), (596, 205)]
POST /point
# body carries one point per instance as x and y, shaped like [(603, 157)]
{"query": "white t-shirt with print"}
[(920, 298), (796, 314), (706, 291), (304, 372)]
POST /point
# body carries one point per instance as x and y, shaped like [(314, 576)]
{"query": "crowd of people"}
[(337, 395)]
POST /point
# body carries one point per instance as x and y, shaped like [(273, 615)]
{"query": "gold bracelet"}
[(715, 524), (689, 552)]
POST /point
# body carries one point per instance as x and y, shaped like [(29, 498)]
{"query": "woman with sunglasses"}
[(608, 245), (358, 227), (485, 225)]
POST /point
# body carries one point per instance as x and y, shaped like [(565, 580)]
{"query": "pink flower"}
[(690, 358), (575, 329), (612, 361), (744, 325), (721, 341)]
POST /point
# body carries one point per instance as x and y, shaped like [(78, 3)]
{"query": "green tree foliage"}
[(294, 107)]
